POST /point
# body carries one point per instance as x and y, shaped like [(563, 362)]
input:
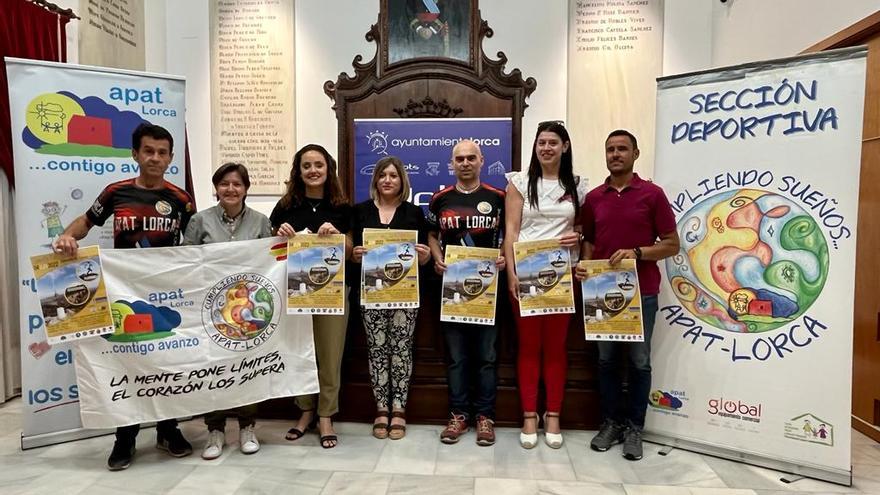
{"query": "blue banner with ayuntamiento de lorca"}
[(425, 147)]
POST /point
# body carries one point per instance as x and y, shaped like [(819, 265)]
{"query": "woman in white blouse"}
[(542, 202)]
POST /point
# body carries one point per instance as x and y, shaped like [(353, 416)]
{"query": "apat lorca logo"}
[(65, 124), (666, 400), (750, 261), (241, 311), (136, 321)]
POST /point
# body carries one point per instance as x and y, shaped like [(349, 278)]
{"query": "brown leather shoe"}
[(396, 432), (380, 428), (456, 427), (485, 431)]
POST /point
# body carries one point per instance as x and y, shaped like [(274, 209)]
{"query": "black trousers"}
[(128, 434)]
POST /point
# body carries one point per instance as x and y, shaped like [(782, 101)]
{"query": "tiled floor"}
[(363, 465)]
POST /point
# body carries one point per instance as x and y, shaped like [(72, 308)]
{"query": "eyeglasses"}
[(547, 122)]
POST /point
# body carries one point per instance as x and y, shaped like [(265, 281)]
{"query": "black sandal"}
[(326, 439), (380, 430), (329, 438), (295, 433)]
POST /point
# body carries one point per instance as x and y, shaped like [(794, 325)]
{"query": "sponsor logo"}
[(423, 142), (88, 270), (497, 168), (433, 169), (665, 400), (412, 169), (241, 311), (735, 409), (136, 321), (163, 207), (66, 124), (809, 428), (378, 142), (97, 207), (668, 402)]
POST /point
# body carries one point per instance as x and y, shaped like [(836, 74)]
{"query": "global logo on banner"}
[(735, 409), (425, 148), (241, 312)]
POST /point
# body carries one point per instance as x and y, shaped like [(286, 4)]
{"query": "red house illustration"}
[(137, 323), (761, 308), (83, 129)]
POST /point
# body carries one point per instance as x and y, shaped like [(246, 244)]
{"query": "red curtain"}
[(26, 31)]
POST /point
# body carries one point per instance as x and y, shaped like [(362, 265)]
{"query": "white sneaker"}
[(214, 447), (247, 440)]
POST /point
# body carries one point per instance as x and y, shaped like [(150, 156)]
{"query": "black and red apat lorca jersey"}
[(143, 217), (468, 219)]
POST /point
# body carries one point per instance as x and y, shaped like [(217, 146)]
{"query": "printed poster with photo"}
[(612, 301), (390, 269), (316, 274), (72, 296), (470, 285), (543, 268)]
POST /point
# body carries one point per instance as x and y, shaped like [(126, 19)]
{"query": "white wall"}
[(687, 36), (187, 53), (751, 30), (535, 41)]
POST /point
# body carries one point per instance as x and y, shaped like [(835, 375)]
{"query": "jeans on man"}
[(472, 356), (639, 372)]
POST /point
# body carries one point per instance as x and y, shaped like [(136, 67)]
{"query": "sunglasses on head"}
[(547, 122)]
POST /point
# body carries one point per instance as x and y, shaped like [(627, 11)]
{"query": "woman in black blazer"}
[(389, 331)]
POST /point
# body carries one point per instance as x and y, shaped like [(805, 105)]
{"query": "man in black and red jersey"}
[(469, 213), (147, 211)]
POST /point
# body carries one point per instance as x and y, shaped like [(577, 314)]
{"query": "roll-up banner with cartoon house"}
[(752, 352), (71, 130)]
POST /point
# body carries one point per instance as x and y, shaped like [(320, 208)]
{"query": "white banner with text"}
[(71, 129), (197, 329), (753, 341)]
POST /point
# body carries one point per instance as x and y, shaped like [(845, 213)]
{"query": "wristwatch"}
[(638, 252)]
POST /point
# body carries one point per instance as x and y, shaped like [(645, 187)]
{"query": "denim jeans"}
[(638, 366), (472, 356)]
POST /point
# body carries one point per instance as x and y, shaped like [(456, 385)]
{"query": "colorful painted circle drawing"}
[(750, 261), (243, 310)]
